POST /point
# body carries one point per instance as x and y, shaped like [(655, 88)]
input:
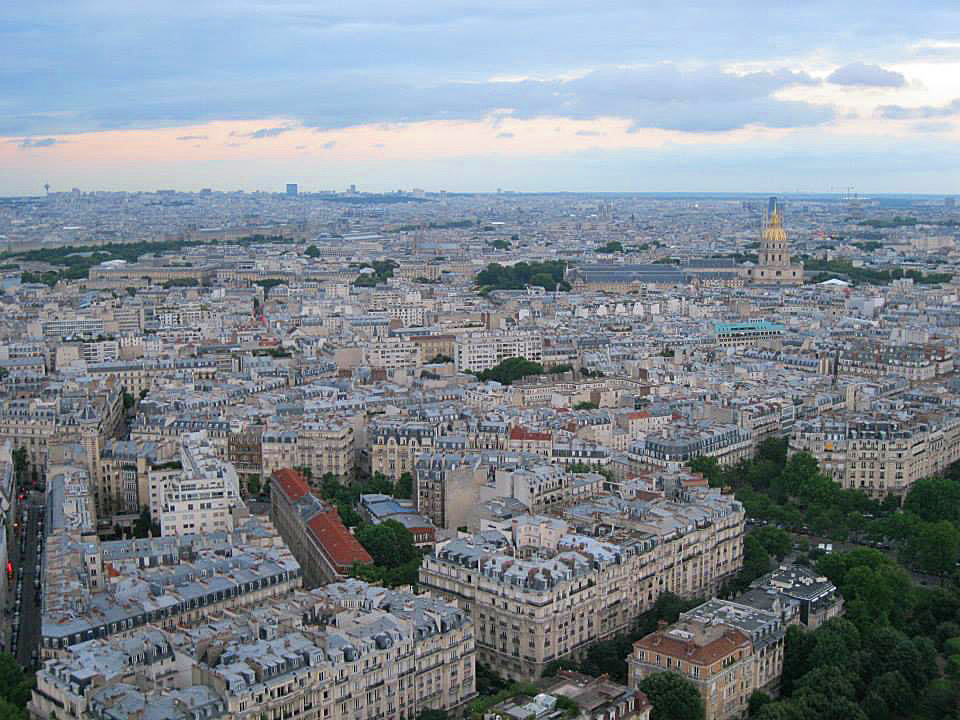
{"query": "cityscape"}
[(532, 361)]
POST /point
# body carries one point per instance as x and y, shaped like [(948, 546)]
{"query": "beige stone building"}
[(565, 590), (879, 453), (324, 445), (717, 659), (349, 651)]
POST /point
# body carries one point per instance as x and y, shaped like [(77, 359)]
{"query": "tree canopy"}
[(673, 697), (510, 370), (547, 274)]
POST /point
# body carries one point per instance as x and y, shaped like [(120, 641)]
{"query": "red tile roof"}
[(292, 483), (340, 546), (521, 433)]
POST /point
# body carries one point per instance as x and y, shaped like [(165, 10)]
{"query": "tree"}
[(888, 696), (709, 468), (757, 700), (431, 714), (774, 540), (143, 526), (312, 251), (404, 486), (510, 370), (585, 406), (20, 464), (673, 697), (934, 499), (253, 485), (936, 548), (389, 543), (15, 685)]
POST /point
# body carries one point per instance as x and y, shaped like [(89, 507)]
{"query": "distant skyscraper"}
[(292, 189)]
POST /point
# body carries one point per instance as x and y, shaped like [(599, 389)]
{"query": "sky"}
[(526, 95)]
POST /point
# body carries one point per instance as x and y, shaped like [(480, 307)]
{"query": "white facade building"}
[(202, 498)]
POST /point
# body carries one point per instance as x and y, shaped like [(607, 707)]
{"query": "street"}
[(25, 566)]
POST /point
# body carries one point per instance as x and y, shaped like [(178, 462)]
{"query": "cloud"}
[(660, 96), (38, 143), (329, 145), (866, 75), (185, 138), (301, 147), (268, 132), (899, 112), (932, 127), (590, 133), (505, 135), (191, 63)]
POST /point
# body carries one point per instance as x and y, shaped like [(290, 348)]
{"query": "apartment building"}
[(880, 453), (204, 496), (96, 590), (672, 447), (85, 415), (754, 333), (325, 445), (797, 594), (913, 361), (717, 658), (447, 485), (123, 475), (480, 351), (392, 353), (345, 652), (595, 698), (139, 376), (395, 444), (312, 529), (573, 583)]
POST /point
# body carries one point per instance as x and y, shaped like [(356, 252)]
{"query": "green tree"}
[(431, 714), (756, 702), (934, 499), (253, 485), (775, 541), (390, 544), (709, 468), (510, 370), (312, 251), (673, 697), (20, 464), (936, 548), (143, 525), (404, 487), (585, 406), (888, 696), (15, 684)]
